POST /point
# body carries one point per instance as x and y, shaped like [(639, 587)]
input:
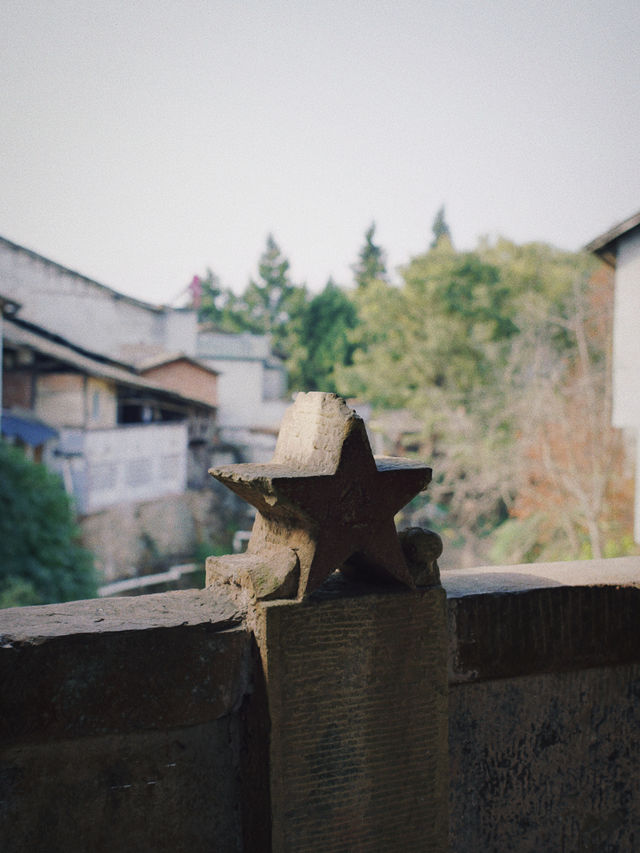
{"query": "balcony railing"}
[(106, 467)]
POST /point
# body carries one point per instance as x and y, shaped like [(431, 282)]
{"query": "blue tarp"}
[(32, 432)]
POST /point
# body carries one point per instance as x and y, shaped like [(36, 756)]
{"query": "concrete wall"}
[(122, 726), (60, 399), (186, 378), (129, 463), (626, 340), (85, 312), (73, 401), (154, 535), (544, 675), (140, 724), (240, 391)]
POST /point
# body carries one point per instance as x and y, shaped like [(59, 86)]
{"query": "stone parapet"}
[(544, 672), (356, 684), (119, 665), (152, 723), (121, 725), (511, 621)]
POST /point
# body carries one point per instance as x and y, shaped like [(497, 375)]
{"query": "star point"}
[(326, 497)]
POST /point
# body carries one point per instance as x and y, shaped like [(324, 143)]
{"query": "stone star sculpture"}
[(324, 502)]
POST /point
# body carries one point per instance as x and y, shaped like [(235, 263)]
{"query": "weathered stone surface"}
[(326, 497), (546, 762), (522, 620), (274, 574), (544, 706), (120, 665), (421, 549), (148, 792), (616, 572), (356, 680), (33, 625)]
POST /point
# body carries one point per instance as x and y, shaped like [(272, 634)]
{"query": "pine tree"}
[(440, 229), (371, 263), (329, 319), (271, 302)]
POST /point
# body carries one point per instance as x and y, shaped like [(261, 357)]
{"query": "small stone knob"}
[(421, 549)]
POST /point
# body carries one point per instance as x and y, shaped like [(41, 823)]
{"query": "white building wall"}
[(85, 313), (240, 391), (123, 465), (626, 349), (180, 331), (626, 333)]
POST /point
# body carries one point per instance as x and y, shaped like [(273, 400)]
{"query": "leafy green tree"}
[(449, 348), (40, 558), (329, 318), (215, 304), (273, 305), (444, 328), (371, 263)]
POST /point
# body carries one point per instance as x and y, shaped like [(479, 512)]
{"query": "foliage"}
[(40, 558), (440, 229), (494, 364), (272, 302), (270, 305), (371, 263), (329, 319), (573, 487), (500, 371), (216, 305)]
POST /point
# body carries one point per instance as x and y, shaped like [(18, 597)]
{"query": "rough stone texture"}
[(118, 665), (121, 725), (521, 620), (356, 681), (33, 625), (143, 724), (545, 707), (620, 571), (274, 574), (170, 790), (421, 549), (547, 763), (325, 496)]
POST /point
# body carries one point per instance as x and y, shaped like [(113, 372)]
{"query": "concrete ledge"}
[(512, 621), (120, 665)]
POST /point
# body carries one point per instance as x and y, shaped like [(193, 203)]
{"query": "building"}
[(124, 399), (121, 436), (87, 313), (247, 383), (620, 248), (252, 389)]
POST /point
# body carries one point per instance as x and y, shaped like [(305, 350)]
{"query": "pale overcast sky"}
[(144, 140)]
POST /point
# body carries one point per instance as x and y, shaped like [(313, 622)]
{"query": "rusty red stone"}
[(324, 501)]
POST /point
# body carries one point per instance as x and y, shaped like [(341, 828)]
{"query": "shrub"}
[(41, 560)]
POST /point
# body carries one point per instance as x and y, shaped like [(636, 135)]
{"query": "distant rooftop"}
[(147, 356), (32, 337), (605, 246), (115, 294)]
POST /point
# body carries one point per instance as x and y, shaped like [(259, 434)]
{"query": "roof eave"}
[(606, 245)]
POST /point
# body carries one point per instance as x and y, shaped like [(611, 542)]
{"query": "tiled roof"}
[(26, 335)]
